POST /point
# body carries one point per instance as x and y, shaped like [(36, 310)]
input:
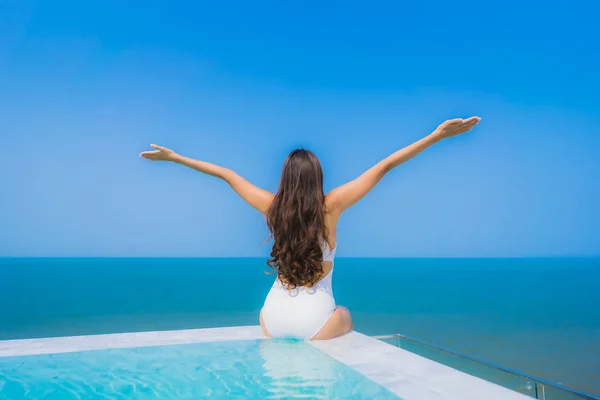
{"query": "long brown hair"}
[(296, 221)]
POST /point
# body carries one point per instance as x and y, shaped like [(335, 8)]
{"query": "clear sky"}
[(86, 85)]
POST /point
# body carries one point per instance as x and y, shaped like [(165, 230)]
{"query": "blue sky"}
[(86, 86)]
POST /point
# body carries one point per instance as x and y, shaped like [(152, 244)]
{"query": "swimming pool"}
[(244, 369), (228, 362)]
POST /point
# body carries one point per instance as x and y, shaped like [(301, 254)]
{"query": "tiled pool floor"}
[(170, 364)]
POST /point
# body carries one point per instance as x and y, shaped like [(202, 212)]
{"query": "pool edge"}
[(69, 344)]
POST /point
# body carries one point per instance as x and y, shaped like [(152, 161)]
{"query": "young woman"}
[(302, 220)]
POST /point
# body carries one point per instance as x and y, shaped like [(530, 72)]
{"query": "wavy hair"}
[(296, 221)]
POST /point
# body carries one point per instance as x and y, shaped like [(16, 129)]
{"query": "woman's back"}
[(300, 223)]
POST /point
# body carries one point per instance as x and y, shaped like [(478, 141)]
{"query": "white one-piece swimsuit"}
[(301, 312)]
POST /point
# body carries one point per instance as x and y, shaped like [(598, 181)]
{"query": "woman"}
[(302, 221)]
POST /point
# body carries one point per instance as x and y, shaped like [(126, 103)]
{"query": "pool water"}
[(247, 369)]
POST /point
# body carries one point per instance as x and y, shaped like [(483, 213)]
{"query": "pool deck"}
[(409, 376)]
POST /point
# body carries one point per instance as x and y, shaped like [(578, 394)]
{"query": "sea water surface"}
[(540, 316)]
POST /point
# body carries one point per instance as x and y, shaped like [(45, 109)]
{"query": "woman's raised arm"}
[(350, 193), (258, 198)]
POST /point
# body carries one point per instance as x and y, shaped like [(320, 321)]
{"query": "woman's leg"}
[(263, 326), (339, 323)]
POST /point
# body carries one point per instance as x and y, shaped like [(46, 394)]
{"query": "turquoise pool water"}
[(239, 369)]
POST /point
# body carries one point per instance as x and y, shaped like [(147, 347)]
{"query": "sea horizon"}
[(337, 258)]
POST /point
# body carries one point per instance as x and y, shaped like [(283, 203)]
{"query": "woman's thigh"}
[(262, 325), (339, 323)]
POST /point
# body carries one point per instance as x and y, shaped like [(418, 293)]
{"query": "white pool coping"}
[(69, 344), (409, 376)]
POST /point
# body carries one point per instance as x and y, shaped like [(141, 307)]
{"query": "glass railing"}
[(529, 385)]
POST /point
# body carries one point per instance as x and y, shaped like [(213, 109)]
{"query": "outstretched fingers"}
[(471, 122), (463, 125), (150, 155)]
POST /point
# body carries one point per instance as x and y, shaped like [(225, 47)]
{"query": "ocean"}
[(540, 316)]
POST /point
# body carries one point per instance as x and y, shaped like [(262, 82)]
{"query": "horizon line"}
[(337, 258)]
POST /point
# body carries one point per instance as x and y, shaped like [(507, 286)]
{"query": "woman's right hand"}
[(160, 154), (454, 127)]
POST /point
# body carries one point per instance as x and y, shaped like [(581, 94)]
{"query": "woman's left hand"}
[(160, 154), (454, 127)]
